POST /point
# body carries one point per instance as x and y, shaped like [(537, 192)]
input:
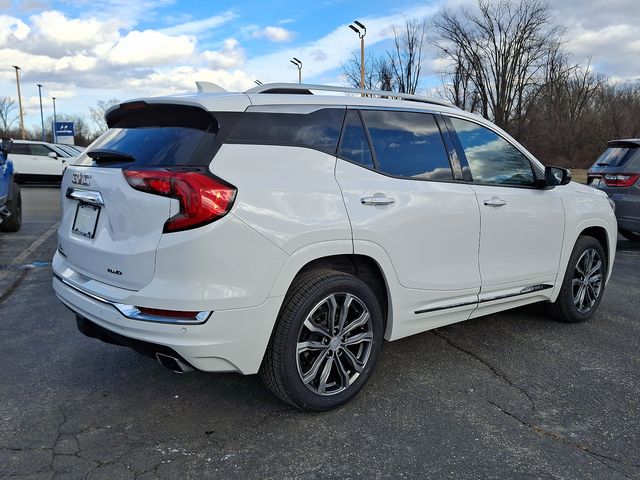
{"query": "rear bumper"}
[(229, 341)]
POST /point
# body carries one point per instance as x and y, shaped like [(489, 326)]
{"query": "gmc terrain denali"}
[(289, 233)]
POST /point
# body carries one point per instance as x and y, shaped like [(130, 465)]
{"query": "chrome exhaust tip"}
[(172, 363)]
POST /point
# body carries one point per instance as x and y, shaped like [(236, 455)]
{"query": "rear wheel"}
[(629, 235), (326, 342), (14, 221), (583, 284)]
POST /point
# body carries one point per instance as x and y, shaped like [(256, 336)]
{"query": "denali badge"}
[(81, 179), (115, 272)]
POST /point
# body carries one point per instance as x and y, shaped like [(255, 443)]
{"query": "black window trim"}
[(373, 154), (537, 174), (233, 141)]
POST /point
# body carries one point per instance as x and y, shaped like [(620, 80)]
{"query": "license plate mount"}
[(86, 220)]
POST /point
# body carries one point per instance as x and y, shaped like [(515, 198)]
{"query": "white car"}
[(39, 161), (289, 233)]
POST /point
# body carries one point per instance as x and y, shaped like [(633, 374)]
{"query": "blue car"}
[(10, 198)]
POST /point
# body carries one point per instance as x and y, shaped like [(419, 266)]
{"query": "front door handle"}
[(377, 200), (494, 202)]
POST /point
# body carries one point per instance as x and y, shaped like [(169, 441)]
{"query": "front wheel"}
[(583, 284), (326, 342)]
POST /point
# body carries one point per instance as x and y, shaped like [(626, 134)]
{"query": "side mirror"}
[(53, 155), (557, 176), (7, 145)]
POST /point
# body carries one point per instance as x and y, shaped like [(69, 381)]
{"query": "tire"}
[(629, 235), (14, 221), (579, 297), (302, 349)]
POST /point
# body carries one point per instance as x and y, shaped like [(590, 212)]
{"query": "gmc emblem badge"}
[(81, 179)]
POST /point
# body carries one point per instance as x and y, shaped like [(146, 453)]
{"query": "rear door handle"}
[(377, 200), (494, 202)]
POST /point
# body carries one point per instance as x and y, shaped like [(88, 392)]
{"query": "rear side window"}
[(319, 130), (408, 144), (157, 135), (354, 145), (20, 149), (491, 158), (618, 156)]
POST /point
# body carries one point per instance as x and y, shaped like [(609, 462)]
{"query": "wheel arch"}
[(365, 267), (602, 232)]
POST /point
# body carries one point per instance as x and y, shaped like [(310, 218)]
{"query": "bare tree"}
[(503, 48), (97, 114), (377, 72), (406, 57), (8, 114)]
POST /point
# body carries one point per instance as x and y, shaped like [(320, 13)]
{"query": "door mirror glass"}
[(53, 154), (557, 176), (6, 145)]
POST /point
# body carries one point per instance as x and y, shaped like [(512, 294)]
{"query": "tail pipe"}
[(172, 363)]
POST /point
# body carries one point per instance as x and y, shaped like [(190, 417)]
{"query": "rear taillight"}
[(620, 179), (203, 198)]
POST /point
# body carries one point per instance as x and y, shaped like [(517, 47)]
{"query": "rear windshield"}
[(156, 136), (617, 156)]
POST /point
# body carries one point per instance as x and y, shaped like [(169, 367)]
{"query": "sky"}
[(83, 51)]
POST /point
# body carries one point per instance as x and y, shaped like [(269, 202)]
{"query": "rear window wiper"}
[(110, 156)]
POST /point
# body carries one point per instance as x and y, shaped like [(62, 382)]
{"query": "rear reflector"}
[(203, 198), (620, 179), (156, 312)]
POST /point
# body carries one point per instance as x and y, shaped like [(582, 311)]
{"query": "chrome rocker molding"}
[(524, 291), (133, 313)]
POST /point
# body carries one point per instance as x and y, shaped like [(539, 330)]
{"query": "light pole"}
[(41, 113), (53, 130), (298, 64), (20, 103), (361, 30)]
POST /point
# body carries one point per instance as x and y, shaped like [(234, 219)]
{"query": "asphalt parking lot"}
[(512, 395)]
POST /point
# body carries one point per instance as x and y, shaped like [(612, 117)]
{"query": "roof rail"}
[(305, 88)]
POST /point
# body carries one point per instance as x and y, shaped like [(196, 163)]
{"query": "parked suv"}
[(290, 233), (617, 173), (39, 161), (10, 198)]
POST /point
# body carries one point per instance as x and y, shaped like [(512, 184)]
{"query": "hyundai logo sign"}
[(64, 132)]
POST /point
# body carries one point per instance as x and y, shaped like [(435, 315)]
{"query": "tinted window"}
[(408, 144), (319, 129), (40, 150), (152, 146), (491, 158), (158, 135), (20, 149), (354, 145), (617, 156)]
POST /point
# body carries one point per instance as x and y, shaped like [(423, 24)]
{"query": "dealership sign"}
[(64, 132)]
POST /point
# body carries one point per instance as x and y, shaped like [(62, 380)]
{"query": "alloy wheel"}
[(587, 280), (334, 344)]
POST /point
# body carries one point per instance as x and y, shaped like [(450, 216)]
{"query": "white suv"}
[(39, 161), (289, 233)]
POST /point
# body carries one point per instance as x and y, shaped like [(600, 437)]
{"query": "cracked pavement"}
[(512, 395)]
